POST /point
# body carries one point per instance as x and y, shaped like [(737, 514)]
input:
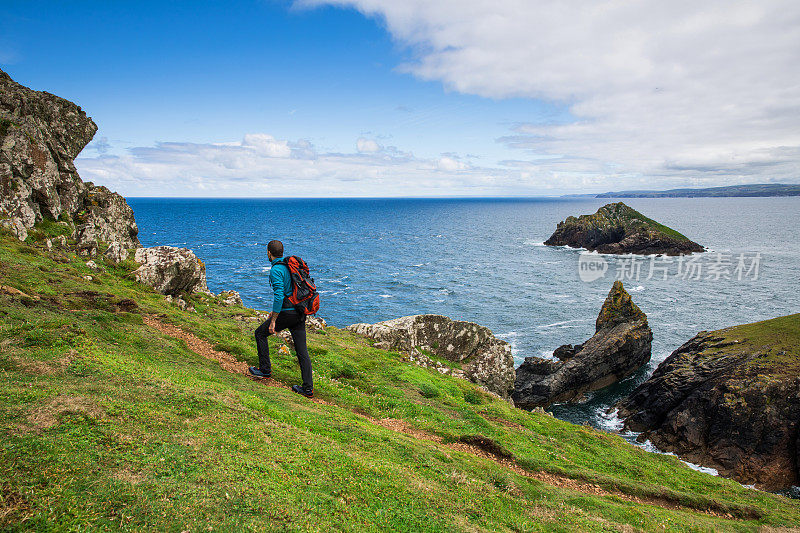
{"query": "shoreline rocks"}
[(620, 346), (728, 399), (619, 229), (482, 358)]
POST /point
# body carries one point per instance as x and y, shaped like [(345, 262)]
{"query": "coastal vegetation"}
[(121, 411)]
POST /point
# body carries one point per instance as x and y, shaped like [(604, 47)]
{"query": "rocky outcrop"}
[(40, 136), (620, 346), (619, 229), (229, 298), (477, 354), (728, 399), (170, 270)]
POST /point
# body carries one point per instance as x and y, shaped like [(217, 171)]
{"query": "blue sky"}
[(423, 98)]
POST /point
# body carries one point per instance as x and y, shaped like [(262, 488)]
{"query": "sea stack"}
[(620, 346), (619, 229), (728, 399)]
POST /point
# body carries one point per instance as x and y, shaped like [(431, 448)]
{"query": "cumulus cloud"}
[(680, 92), (450, 164), (261, 165), (266, 145), (368, 145)]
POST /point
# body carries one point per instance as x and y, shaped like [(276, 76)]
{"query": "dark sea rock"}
[(619, 229), (40, 136), (728, 399), (620, 346), (483, 358)]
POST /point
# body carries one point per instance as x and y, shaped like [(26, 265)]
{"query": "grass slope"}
[(107, 424), (777, 340)]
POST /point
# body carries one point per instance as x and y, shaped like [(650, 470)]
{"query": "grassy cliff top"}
[(777, 341), (110, 423), (619, 214)]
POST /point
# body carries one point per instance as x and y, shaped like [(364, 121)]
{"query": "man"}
[(283, 316)]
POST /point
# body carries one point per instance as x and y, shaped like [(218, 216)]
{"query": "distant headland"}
[(753, 190)]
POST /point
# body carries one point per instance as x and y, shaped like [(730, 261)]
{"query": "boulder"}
[(116, 252), (620, 346), (171, 270), (229, 298), (619, 229), (40, 136), (483, 359), (728, 399)]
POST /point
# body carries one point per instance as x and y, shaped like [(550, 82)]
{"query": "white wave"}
[(609, 421), (638, 288), (386, 295), (534, 243), (650, 447), (546, 354), (563, 324), (511, 339)]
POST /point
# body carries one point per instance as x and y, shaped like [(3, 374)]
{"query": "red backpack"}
[(304, 295)]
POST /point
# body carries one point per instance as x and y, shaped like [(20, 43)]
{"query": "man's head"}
[(275, 249)]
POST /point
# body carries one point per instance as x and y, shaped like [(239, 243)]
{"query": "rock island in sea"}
[(619, 229)]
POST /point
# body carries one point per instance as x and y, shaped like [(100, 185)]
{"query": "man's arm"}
[(276, 281)]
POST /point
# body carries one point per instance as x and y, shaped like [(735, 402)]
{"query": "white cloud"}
[(261, 165), (368, 145), (266, 145), (450, 164), (682, 92)]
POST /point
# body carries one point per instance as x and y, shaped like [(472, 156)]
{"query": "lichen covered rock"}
[(171, 270), (483, 359), (230, 298), (620, 346), (619, 229), (40, 136), (116, 252)]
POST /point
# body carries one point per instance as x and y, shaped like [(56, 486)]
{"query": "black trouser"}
[(296, 323)]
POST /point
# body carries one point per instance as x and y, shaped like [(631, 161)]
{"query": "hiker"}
[(284, 315)]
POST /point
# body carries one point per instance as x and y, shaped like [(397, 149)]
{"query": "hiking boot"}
[(255, 371), (308, 393)]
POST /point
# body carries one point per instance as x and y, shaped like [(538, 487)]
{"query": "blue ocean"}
[(483, 260)]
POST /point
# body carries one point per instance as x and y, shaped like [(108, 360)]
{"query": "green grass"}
[(625, 215), (108, 424), (777, 340), (666, 230)]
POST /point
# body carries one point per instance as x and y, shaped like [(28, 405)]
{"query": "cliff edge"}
[(729, 399)]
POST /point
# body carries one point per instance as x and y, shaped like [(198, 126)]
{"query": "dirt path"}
[(484, 448)]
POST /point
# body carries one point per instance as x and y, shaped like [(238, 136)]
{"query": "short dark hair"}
[(275, 248)]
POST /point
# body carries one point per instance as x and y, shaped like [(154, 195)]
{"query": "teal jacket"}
[(281, 282)]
